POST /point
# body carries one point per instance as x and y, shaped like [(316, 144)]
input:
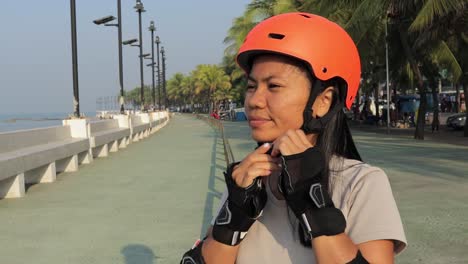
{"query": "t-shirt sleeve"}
[(373, 213), (221, 202)]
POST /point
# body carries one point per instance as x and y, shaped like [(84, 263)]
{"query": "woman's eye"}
[(273, 85), (250, 86)]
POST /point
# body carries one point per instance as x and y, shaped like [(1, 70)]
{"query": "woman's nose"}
[(257, 99)]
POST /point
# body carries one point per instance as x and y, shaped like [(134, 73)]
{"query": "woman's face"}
[(277, 93)]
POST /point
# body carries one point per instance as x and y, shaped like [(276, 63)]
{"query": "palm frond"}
[(284, 6), (443, 55), (464, 38), (365, 17), (434, 9)]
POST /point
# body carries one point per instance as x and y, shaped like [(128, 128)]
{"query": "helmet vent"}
[(324, 70), (275, 36), (306, 16)]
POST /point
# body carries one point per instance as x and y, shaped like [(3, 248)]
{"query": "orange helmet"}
[(323, 45)]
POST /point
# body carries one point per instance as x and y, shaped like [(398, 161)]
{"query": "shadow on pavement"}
[(218, 164), (138, 254)]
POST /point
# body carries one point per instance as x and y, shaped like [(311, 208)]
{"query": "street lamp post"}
[(105, 21), (139, 7), (119, 22), (158, 66), (152, 28), (76, 94), (163, 55), (386, 66), (132, 42)]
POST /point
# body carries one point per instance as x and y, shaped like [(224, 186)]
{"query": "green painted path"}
[(144, 204), (148, 203)]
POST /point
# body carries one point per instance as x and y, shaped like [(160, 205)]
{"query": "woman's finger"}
[(251, 175), (296, 144), (303, 137)]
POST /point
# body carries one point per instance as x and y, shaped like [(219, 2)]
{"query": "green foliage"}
[(207, 84), (134, 96), (424, 37)]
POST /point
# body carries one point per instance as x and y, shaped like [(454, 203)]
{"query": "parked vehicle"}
[(456, 121)]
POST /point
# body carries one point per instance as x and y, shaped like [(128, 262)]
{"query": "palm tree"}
[(411, 21), (188, 90), (418, 28), (134, 96), (213, 82), (175, 89)]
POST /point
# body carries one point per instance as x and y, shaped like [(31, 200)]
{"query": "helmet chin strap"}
[(311, 124), (314, 125)]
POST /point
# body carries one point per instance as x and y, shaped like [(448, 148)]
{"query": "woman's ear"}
[(323, 102)]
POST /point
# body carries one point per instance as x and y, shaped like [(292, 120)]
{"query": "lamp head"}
[(139, 6), (129, 42), (152, 27), (104, 20)]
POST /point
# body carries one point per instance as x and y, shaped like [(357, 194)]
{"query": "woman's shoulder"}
[(354, 172)]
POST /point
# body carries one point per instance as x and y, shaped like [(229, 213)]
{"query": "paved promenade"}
[(148, 203), (142, 205)]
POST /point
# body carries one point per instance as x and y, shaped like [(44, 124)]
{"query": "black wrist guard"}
[(242, 207), (302, 186), (194, 255)]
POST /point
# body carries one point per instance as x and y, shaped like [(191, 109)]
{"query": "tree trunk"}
[(435, 100), (210, 103), (420, 123), (457, 98), (465, 90)]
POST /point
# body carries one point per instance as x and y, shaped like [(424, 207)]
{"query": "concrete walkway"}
[(148, 203)]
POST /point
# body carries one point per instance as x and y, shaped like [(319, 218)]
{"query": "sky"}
[(35, 48)]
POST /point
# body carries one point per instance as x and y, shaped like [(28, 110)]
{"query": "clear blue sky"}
[(35, 47)]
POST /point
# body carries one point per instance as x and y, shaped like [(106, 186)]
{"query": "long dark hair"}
[(335, 141)]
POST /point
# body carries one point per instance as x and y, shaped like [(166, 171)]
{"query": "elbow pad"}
[(194, 255)]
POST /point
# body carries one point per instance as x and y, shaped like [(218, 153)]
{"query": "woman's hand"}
[(258, 163), (290, 143)]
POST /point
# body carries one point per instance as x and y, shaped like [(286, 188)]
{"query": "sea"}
[(12, 122)]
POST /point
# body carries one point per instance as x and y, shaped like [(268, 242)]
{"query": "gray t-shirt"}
[(360, 191)]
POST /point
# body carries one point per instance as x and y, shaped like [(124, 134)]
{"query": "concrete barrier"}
[(159, 119), (106, 136), (36, 155), (140, 127)]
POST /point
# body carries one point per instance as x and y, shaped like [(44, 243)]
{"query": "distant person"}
[(232, 111), (215, 114), (355, 112), (435, 124), (304, 195), (393, 114)]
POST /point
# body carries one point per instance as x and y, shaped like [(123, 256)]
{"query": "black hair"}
[(335, 141)]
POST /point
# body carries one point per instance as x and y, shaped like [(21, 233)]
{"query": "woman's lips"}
[(255, 123)]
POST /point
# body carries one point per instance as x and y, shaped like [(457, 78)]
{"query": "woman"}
[(304, 195)]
